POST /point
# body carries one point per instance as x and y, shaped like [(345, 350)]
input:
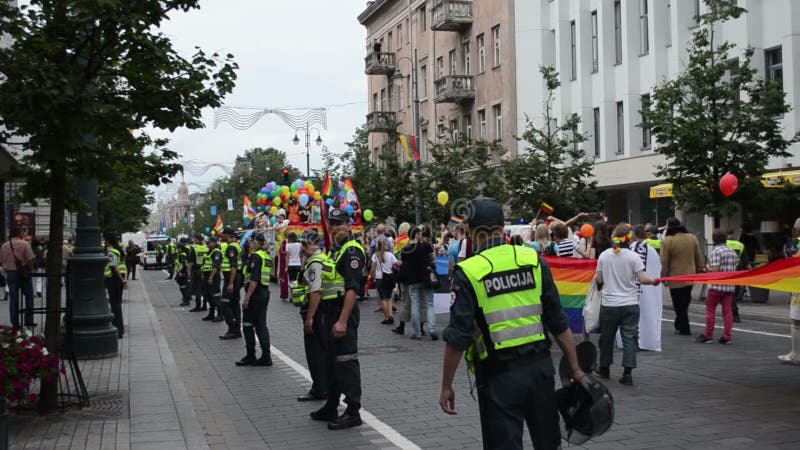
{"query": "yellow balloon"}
[(443, 198)]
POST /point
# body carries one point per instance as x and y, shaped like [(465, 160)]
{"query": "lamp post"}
[(317, 141), (398, 76)]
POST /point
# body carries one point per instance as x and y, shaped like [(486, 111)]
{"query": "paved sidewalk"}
[(138, 398)]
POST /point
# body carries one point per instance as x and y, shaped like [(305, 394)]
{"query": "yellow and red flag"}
[(218, 227)]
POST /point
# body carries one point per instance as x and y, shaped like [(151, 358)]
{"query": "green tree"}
[(716, 117), (464, 169), (77, 78), (553, 167), (122, 203)]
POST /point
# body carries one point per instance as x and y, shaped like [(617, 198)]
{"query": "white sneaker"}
[(790, 358)]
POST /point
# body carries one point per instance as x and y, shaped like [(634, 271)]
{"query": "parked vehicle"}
[(148, 258)]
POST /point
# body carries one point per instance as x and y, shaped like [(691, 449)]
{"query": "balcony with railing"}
[(382, 122), (454, 89), (380, 63), (452, 15)]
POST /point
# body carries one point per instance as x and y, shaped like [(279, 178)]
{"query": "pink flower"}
[(33, 398)]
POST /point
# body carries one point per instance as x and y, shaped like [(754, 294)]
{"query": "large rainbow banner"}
[(780, 275), (573, 277)]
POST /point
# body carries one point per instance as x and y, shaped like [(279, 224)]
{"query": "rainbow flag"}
[(406, 148), (218, 227), (780, 275), (573, 277), (327, 186), (248, 213)]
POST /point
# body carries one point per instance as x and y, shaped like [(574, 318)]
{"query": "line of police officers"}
[(327, 295)]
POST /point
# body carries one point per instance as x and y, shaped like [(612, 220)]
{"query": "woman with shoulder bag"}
[(385, 279)]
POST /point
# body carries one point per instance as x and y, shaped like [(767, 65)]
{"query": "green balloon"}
[(368, 215)]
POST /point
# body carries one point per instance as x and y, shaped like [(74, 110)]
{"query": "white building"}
[(610, 55)]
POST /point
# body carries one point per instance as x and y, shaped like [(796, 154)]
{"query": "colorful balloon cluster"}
[(273, 195)]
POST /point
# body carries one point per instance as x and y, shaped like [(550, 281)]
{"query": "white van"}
[(148, 255)]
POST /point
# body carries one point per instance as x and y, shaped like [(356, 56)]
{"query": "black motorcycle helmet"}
[(587, 409)]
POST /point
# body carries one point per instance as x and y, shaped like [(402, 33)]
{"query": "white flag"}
[(230, 204)]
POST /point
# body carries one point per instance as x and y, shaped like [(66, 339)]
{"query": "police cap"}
[(311, 238), (485, 211), (228, 231), (259, 237), (198, 235), (212, 239), (338, 216)]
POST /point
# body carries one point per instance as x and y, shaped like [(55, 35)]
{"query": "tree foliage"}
[(252, 170), (553, 167), (716, 117), (82, 79)]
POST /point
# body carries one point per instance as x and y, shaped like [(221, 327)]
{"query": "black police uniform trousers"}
[(229, 305), (315, 355), (171, 266), (341, 366), (182, 279), (524, 392), (197, 287), (254, 321), (114, 287), (214, 293)]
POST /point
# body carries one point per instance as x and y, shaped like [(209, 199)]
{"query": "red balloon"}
[(728, 184)]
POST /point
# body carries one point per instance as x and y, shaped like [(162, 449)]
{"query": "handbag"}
[(591, 309), (431, 280), (389, 278), (22, 270)]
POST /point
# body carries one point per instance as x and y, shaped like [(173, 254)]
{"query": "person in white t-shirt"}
[(618, 270), (382, 262), (293, 263)]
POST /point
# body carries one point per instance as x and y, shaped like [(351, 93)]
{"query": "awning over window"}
[(663, 190), (778, 179)]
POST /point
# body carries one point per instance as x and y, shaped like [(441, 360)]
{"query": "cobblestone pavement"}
[(688, 396)]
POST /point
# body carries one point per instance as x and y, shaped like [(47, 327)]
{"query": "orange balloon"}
[(587, 230)]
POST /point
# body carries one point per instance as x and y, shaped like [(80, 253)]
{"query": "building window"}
[(573, 51), (774, 62), (468, 127), (497, 113), (596, 123), (617, 32), (482, 124), (647, 137), (423, 83), (467, 58), (453, 62), (439, 67), (497, 47), (733, 2), (408, 32), (668, 37), (733, 70), (696, 13), (644, 33), (399, 36), (454, 130), (423, 145), (389, 42), (383, 100), (595, 44), (620, 128), (376, 104), (481, 54), (423, 18)]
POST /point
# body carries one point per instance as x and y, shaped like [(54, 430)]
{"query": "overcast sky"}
[(291, 54)]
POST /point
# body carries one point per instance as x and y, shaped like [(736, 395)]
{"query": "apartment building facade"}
[(612, 53), (465, 71)]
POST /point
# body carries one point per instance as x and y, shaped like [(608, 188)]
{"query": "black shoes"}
[(627, 379), (400, 329), (208, 318), (434, 336), (185, 303), (389, 321), (602, 372), (310, 398), (196, 309), (349, 419), (248, 360), (218, 319), (230, 335), (327, 413), (724, 341), (264, 361), (703, 339)]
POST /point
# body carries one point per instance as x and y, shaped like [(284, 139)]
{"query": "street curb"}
[(700, 310)]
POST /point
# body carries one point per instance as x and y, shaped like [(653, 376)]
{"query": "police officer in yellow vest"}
[(651, 237), (339, 327), (212, 268), (181, 271), (195, 257), (256, 301), (317, 283), (115, 280), (231, 285), (503, 303)]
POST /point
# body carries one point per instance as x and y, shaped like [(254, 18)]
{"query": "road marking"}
[(740, 330), (388, 432)]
